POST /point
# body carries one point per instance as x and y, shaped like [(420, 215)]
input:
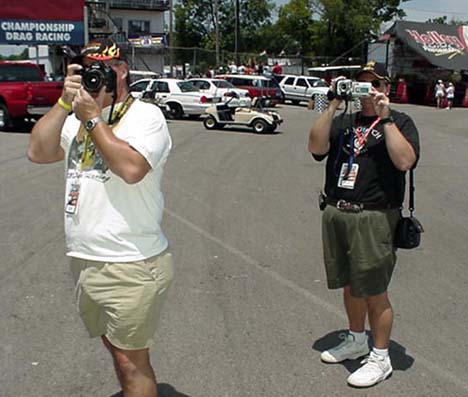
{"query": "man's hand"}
[(72, 83), (85, 106), (381, 103)]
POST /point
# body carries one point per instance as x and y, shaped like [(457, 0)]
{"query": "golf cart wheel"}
[(260, 126), (175, 111), (210, 123)]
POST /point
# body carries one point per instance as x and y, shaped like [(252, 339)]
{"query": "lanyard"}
[(117, 114), (362, 138)]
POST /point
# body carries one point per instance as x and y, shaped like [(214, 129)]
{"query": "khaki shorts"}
[(123, 301), (358, 249)]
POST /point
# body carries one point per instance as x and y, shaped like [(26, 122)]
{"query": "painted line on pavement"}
[(435, 369)]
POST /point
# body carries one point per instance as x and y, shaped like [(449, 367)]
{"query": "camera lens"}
[(93, 80)]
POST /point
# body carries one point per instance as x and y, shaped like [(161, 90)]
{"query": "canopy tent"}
[(445, 46)]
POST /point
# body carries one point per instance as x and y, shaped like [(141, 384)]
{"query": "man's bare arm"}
[(319, 135), (44, 142)]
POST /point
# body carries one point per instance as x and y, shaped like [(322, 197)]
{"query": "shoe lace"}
[(372, 361)]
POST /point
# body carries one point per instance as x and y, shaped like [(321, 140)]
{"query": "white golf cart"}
[(256, 117)]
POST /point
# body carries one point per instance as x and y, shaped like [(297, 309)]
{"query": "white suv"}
[(302, 88)]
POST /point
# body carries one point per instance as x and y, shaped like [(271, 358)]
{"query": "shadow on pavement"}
[(164, 390), (400, 360)]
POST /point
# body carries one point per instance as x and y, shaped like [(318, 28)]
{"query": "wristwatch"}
[(387, 120), (91, 123)]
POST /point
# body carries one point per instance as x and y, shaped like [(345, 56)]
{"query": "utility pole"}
[(237, 36), (216, 30), (171, 39)]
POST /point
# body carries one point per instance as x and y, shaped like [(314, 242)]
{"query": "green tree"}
[(295, 27), (195, 23), (346, 26)]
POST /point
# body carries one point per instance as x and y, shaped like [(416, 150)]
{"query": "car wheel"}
[(210, 123), (175, 111), (5, 119), (260, 126)]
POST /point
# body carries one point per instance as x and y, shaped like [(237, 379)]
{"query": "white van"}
[(302, 88)]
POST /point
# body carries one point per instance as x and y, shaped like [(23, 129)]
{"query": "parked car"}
[(223, 89), (24, 93), (258, 86), (180, 96), (302, 88)]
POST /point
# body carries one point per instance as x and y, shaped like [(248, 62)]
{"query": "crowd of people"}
[(245, 68)]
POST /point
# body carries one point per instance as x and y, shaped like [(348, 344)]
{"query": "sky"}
[(422, 10)]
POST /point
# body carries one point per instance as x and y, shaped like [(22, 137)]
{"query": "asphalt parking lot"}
[(249, 311)]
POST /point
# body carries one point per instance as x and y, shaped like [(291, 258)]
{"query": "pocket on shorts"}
[(160, 268)]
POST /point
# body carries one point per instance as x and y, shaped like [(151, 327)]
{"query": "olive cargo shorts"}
[(358, 249), (123, 301)]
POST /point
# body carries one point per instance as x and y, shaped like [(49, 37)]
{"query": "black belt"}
[(351, 206)]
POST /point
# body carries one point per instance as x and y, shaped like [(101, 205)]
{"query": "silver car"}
[(302, 88)]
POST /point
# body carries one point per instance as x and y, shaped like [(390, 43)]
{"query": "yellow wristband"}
[(64, 105)]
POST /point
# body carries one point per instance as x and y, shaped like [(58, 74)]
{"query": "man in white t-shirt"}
[(114, 148)]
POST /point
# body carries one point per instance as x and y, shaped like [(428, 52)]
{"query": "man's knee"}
[(378, 300)]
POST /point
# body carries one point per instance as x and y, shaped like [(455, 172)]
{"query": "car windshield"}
[(186, 86), (19, 73), (223, 84)]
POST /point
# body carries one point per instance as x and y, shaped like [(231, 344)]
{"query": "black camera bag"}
[(409, 229)]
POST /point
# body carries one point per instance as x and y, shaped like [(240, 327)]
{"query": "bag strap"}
[(412, 189)]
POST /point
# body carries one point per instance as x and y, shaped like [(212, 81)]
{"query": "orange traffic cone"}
[(465, 99)]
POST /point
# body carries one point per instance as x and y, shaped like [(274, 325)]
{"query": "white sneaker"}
[(375, 369), (349, 349)]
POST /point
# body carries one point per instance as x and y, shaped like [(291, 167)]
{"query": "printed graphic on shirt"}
[(362, 139), (85, 161)]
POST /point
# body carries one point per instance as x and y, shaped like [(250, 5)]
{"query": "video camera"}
[(98, 75), (349, 89)]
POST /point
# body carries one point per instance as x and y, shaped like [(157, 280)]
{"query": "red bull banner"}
[(33, 22), (442, 45)]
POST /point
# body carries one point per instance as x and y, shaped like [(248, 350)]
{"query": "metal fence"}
[(198, 60)]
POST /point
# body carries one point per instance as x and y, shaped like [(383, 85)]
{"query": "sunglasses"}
[(375, 83)]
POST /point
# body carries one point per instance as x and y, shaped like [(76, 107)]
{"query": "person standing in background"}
[(439, 93), (450, 95)]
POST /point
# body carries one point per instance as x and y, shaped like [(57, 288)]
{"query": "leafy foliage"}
[(306, 27)]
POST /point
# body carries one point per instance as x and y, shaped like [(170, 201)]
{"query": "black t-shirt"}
[(374, 178)]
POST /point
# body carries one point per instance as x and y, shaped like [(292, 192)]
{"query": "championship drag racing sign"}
[(46, 22)]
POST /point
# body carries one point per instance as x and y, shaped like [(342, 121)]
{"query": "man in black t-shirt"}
[(368, 153)]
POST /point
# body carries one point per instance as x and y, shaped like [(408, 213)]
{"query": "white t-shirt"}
[(113, 220), (450, 92)]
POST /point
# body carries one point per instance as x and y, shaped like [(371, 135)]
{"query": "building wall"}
[(143, 58)]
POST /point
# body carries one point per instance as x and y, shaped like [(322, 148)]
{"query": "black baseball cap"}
[(378, 69), (101, 49)]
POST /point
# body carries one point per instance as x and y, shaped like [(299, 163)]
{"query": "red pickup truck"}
[(24, 93)]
